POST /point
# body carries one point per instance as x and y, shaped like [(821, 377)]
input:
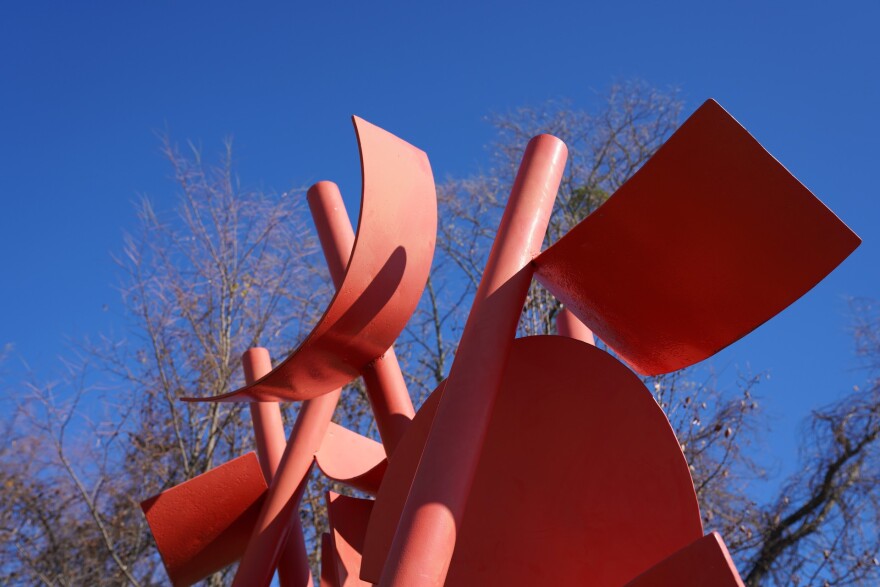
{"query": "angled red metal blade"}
[(708, 240), (348, 518), (705, 562), (593, 428), (383, 282), (203, 525), (350, 458)]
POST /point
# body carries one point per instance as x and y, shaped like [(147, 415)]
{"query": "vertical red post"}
[(293, 568), (389, 398), (279, 515), (425, 539), (567, 324), (265, 416)]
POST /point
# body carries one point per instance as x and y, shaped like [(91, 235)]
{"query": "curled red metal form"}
[(384, 279), (350, 458), (202, 525), (541, 460), (708, 240)]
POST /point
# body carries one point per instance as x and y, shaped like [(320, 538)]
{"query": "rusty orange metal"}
[(351, 458), (705, 562), (202, 525), (348, 518), (383, 280), (708, 240)]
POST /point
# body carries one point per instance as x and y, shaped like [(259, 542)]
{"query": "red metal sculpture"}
[(540, 460)]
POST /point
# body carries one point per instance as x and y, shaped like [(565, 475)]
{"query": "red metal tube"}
[(265, 416), (425, 539), (386, 388), (567, 324), (279, 515), (293, 567)]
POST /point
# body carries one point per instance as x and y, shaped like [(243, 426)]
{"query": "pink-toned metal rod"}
[(567, 324), (425, 538), (279, 517), (293, 568), (280, 513), (265, 416), (389, 398)]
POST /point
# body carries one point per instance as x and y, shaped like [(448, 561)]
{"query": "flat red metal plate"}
[(708, 240), (383, 282), (581, 479), (203, 525), (348, 518), (704, 563), (350, 458)]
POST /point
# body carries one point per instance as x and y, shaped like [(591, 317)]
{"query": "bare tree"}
[(824, 529), (234, 268)]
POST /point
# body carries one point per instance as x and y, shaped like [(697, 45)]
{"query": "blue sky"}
[(85, 86)]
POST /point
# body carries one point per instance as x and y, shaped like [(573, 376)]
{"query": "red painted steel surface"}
[(593, 428), (705, 563), (293, 566), (328, 562), (389, 398), (350, 458), (567, 324), (425, 539), (348, 522), (265, 416), (384, 279), (202, 525), (279, 519), (394, 489), (708, 240)]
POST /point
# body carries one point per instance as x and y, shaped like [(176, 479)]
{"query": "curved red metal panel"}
[(350, 458), (203, 525), (711, 238), (592, 427), (383, 282), (348, 523)]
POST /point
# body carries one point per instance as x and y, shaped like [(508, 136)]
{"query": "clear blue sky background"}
[(83, 87)]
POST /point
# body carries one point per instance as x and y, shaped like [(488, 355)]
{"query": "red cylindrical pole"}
[(293, 567), (265, 416), (279, 514), (425, 539), (567, 324), (389, 398)]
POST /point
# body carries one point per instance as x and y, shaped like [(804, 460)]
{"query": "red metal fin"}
[(708, 240)]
